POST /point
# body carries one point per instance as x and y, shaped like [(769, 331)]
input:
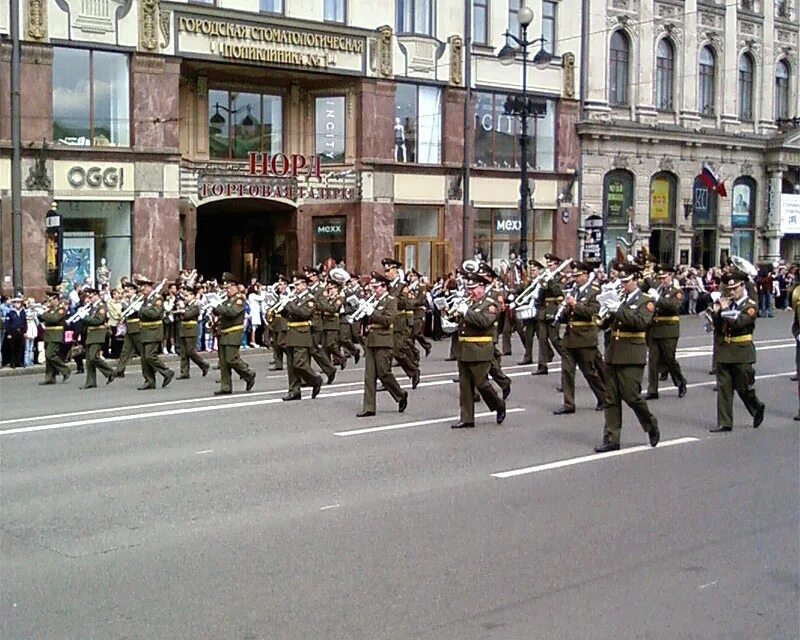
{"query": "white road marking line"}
[(198, 453), (596, 456), (712, 382), (418, 423), (330, 506), (708, 584)]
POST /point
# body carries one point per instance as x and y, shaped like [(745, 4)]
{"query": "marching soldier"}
[(496, 372), (278, 328), (231, 326), (417, 290), (379, 344), (299, 314), (476, 336), (317, 336), (527, 329), (506, 285), (580, 341), (549, 300), (151, 334), (794, 298), (330, 303), (95, 339), (664, 334), (402, 330), (626, 352), (131, 343), (53, 321), (187, 317), (349, 332), (735, 317)]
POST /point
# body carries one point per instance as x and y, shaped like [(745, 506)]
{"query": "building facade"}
[(257, 136), (673, 87)]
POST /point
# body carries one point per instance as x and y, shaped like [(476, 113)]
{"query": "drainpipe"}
[(465, 244), (16, 153)]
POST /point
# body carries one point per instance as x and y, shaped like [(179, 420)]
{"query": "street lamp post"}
[(524, 109)]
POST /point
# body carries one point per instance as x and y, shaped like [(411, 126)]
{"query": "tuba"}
[(339, 276), (743, 265), (470, 266)]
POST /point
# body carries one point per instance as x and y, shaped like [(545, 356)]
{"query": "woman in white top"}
[(256, 302)]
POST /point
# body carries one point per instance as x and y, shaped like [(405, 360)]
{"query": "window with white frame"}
[(480, 21), (665, 75), (746, 88), (418, 124), (549, 10), (270, 6), (335, 11), (415, 16), (707, 76), (782, 89), (619, 60), (513, 22)]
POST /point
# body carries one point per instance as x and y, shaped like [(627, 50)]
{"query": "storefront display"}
[(329, 239)]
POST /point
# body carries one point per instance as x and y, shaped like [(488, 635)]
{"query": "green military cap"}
[(229, 278), (629, 271)]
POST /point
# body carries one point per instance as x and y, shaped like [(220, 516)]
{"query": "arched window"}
[(746, 87), (743, 203), (665, 74), (663, 187), (704, 205), (619, 56), (782, 89), (707, 74)]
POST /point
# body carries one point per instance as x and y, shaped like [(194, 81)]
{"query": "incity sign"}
[(270, 44)]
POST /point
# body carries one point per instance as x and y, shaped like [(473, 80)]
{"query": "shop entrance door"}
[(703, 248), (662, 245), (249, 238), (430, 258)]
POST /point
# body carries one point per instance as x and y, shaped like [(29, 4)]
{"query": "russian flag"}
[(710, 179)]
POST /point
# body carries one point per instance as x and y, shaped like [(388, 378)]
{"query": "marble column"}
[(155, 109), (643, 95), (773, 223), (156, 237), (687, 66), (728, 70)]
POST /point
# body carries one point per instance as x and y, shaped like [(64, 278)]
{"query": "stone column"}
[(156, 237), (773, 223), (596, 95), (728, 70), (765, 74), (155, 90), (687, 65), (36, 82), (643, 92), (34, 210), (375, 137)]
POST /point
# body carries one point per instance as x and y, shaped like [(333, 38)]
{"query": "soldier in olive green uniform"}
[(378, 346), (550, 298), (299, 340), (278, 329), (349, 332), (95, 339), (580, 341), (496, 372), (187, 317), (317, 332), (131, 343), (527, 328), (664, 334), (418, 295), (476, 337), (53, 321), (329, 304), (151, 335), (794, 300), (402, 327), (735, 317), (626, 353), (231, 326)]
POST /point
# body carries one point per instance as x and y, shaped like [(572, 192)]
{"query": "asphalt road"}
[(175, 514)]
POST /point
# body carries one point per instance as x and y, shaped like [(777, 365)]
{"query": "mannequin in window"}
[(399, 141), (103, 274)]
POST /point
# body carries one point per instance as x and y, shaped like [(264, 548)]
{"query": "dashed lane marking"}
[(559, 464), (418, 423)]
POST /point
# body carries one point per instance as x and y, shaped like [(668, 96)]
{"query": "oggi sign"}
[(96, 177)]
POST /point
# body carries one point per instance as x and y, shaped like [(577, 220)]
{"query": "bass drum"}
[(525, 313), (449, 327)]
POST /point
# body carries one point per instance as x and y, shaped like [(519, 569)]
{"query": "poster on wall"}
[(78, 258), (741, 206), (790, 213), (659, 201)]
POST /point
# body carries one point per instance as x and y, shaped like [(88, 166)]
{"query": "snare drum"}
[(449, 327)]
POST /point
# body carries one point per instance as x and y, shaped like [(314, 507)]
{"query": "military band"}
[(324, 319)]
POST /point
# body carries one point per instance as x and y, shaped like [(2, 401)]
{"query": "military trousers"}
[(739, 378), (624, 383), (496, 372), (526, 330), (471, 376), (419, 333), (94, 361), (188, 352), (278, 341), (401, 355), (590, 362), (378, 366), (318, 353), (661, 356), (332, 348), (506, 330), (452, 352), (53, 364), (299, 371), (152, 363), (130, 345), (547, 335), (231, 360), (347, 338), (411, 346)]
